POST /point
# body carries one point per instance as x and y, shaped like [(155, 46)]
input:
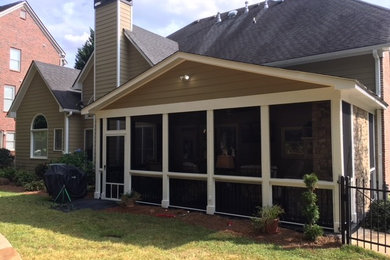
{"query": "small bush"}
[(311, 210), (40, 170), (312, 232), (80, 160), (8, 173), (35, 186), (266, 214), (23, 177), (6, 158), (378, 216)]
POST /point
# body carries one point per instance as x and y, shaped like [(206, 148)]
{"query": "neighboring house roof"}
[(5, 9), (344, 85), (287, 30), (77, 85), (153, 47), (59, 81)]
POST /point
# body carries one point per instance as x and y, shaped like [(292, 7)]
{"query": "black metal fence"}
[(365, 215)]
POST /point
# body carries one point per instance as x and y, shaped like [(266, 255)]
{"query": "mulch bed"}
[(286, 238)]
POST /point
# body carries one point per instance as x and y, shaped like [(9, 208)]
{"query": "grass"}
[(38, 232)]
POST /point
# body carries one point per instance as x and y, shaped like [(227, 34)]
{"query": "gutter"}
[(378, 56)]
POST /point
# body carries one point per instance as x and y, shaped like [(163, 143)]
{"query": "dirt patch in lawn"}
[(286, 238)]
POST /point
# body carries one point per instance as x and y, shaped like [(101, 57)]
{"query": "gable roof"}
[(59, 81), (5, 9), (153, 47), (341, 84), (287, 30)]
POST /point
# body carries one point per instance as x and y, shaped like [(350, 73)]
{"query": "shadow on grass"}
[(139, 230)]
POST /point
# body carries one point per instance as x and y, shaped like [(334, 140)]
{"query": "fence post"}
[(348, 208), (342, 208)]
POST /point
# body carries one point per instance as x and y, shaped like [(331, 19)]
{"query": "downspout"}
[(378, 56), (67, 127)]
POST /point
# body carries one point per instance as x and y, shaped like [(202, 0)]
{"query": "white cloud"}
[(68, 8), (78, 39)]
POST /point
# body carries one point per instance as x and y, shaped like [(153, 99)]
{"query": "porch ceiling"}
[(206, 82)]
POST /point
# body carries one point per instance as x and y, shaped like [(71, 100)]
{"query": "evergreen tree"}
[(85, 52)]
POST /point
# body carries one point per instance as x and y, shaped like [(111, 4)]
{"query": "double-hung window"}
[(15, 59), (9, 96)]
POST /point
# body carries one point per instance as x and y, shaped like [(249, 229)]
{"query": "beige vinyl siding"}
[(106, 49), (76, 140), (206, 82), (138, 63), (37, 99), (361, 68), (88, 88)]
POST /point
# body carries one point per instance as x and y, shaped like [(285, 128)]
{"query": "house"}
[(23, 38), (230, 112)]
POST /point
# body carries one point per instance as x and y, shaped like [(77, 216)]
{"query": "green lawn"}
[(38, 232)]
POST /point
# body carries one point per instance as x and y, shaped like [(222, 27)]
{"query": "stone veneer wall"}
[(361, 144), (322, 141)]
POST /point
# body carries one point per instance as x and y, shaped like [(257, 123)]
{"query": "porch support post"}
[(337, 157), (104, 158), (98, 172), (265, 157), (127, 177), (165, 148), (210, 164)]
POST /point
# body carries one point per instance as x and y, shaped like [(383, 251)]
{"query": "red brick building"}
[(23, 39)]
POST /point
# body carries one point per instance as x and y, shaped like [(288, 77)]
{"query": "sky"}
[(69, 21)]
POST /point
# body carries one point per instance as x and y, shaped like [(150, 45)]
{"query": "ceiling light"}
[(185, 77)]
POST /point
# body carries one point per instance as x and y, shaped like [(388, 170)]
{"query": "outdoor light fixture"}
[(185, 77)]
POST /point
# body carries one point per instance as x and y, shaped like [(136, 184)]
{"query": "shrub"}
[(80, 160), (23, 177), (311, 211), (35, 186), (378, 216), (266, 214), (40, 170), (8, 173), (6, 158)]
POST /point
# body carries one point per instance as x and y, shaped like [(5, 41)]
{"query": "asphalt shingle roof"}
[(155, 47), (287, 30), (60, 81), (5, 7)]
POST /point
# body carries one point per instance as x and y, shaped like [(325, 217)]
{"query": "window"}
[(146, 137), (39, 137), (10, 141), (188, 142), (9, 95), (237, 142), (58, 137), (301, 140), (14, 59), (118, 123)]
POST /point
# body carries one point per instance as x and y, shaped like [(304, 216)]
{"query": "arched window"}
[(39, 137)]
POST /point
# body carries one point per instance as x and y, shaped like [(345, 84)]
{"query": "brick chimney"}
[(111, 18)]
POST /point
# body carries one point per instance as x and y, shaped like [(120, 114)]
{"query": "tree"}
[(85, 52)]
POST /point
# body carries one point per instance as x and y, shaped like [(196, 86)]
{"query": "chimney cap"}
[(99, 3)]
